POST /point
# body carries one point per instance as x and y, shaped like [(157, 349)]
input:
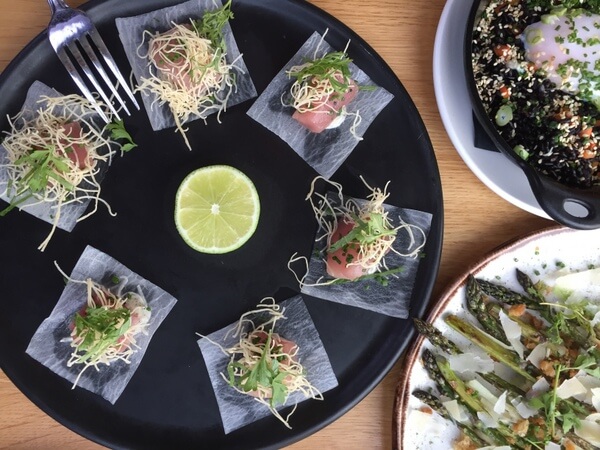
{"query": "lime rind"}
[(239, 209)]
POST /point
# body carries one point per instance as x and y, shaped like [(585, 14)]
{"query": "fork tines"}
[(74, 37)]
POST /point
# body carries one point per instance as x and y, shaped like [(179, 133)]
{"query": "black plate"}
[(169, 401)]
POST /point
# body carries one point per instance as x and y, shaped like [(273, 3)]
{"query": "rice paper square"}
[(391, 300), (326, 151), (47, 348), (238, 410), (131, 32), (71, 212)]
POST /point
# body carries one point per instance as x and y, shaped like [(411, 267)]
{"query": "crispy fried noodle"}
[(38, 166), (331, 210), (259, 354), (189, 73), (105, 330)]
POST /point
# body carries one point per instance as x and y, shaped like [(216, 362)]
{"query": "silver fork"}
[(70, 28)]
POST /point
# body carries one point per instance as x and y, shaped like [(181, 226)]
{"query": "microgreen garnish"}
[(40, 167), (365, 232), (211, 26), (329, 67), (99, 328)]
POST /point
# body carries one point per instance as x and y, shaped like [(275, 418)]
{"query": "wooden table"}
[(476, 219)]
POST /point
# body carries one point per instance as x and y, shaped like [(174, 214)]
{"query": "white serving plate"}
[(536, 253)]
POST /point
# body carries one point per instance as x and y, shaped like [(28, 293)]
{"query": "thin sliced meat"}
[(75, 152), (338, 262), (322, 116), (170, 59)]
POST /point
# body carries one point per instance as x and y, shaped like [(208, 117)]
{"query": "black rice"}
[(556, 132)]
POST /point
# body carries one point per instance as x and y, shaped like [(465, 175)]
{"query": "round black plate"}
[(169, 401)]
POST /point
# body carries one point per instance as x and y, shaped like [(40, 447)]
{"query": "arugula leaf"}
[(279, 389), (364, 232), (589, 364), (570, 419), (557, 410), (265, 373)]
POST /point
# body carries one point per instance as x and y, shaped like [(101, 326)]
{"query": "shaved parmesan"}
[(456, 411), (579, 285), (595, 398), (570, 387), (513, 333), (470, 362), (492, 403), (485, 394), (500, 405), (538, 388), (594, 417), (420, 419), (487, 420), (525, 411), (589, 430), (552, 446), (538, 354), (590, 383)]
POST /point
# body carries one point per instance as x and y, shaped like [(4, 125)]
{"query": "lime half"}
[(216, 209)]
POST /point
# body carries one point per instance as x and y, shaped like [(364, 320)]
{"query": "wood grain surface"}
[(476, 219)]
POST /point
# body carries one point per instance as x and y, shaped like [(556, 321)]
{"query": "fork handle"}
[(57, 5)]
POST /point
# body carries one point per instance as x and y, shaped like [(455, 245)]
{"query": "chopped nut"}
[(517, 310), (547, 368), (464, 443), (521, 427), (569, 445), (426, 410)]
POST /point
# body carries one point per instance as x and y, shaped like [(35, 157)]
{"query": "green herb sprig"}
[(119, 133)]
